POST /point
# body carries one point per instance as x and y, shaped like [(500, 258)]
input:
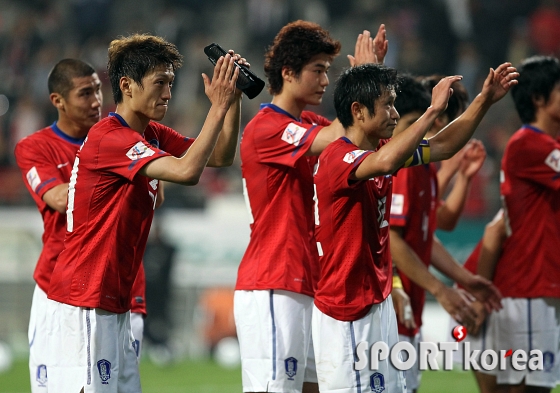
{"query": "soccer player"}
[(353, 196), (279, 270), (111, 197), (417, 210), (44, 159), (527, 271)]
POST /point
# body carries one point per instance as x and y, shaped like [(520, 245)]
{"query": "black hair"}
[(363, 84), (412, 96), (61, 77)]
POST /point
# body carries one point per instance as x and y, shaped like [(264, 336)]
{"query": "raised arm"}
[(370, 50), (454, 136), (188, 169), (226, 146), (449, 212), (400, 148)]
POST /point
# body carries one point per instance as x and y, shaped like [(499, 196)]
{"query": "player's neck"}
[(360, 139), (70, 128), (548, 125), (135, 121), (287, 103)]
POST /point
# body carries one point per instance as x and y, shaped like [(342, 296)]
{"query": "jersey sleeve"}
[(124, 153), (168, 140), (342, 163), (536, 160), (285, 143), (40, 173), (400, 203)]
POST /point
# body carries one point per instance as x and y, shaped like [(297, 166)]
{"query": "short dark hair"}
[(293, 47), (363, 84), (137, 55), (459, 100), (60, 78), (412, 96), (538, 75)]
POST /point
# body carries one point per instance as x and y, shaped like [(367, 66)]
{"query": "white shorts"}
[(335, 351), (529, 324), (137, 327), (274, 332), (38, 341), (413, 375), (90, 348)]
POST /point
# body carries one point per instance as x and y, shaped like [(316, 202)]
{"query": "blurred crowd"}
[(464, 37)]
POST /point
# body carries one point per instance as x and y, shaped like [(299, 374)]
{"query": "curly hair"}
[(293, 47), (137, 55)]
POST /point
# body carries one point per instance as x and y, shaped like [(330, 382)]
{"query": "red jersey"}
[(530, 189), (110, 209), (352, 234), (278, 189), (138, 294), (414, 208), (45, 160)]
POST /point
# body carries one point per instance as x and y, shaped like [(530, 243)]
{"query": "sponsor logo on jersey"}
[(62, 165), (138, 151), (377, 382), (104, 368), (397, 205), (291, 367), (553, 160), (293, 134), (353, 156), (41, 375), (33, 178)]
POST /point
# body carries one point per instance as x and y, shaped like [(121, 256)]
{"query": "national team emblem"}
[(41, 375), (33, 178), (353, 156), (138, 151), (293, 134), (548, 361), (104, 367), (291, 368), (136, 347), (553, 160), (377, 382)]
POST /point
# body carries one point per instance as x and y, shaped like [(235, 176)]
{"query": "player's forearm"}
[(449, 213), (456, 134), (325, 136), (226, 146), (446, 264), (492, 240), (57, 197), (406, 260)]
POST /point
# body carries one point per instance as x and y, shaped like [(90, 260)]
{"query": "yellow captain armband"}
[(420, 156), (397, 283)]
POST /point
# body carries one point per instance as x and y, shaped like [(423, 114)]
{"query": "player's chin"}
[(159, 113)]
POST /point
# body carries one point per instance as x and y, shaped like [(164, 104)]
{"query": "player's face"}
[(406, 121), (382, 124), (311, 84), (552, 106), (82, 104), (151, 99)]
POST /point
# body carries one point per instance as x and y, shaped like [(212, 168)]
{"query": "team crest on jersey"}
[(548, 361), (33, 178), (293, 134), (553, 160), (104, 367), (377, 382), (353, 156), (291, 368), (138, 151), (41, 375), (397, 204)]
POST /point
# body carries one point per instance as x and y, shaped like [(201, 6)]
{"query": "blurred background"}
[(201, 232)]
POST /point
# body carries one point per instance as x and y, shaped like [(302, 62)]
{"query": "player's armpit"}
[(57, 197), (325, 136), (172, 169)]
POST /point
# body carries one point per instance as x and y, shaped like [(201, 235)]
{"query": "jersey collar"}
[(68, 138), (279, 110), (120, 119)]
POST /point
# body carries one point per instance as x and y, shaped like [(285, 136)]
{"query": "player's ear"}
[(57, 100), (357, 110), (287, 74), (125, 84)]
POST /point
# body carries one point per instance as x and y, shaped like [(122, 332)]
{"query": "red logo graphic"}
[(459, 333), (508, 353)]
